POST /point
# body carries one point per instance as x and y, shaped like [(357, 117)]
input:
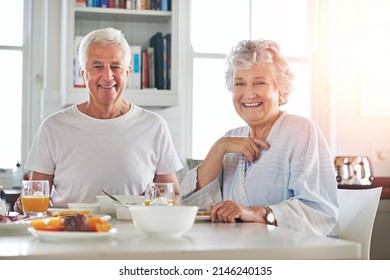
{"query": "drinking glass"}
[(159, 194), (35, 197), (3, 208)]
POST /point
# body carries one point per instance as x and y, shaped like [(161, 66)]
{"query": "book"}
[(122, 4), (150, 51), (135, 76), (145, 69), (164, 5), (104, 3), (168, 60), (165, 63), (77, 78), (133, 5), (81, 3), (145, 4), (138, 5), (156, 41), (97, 3), (157, 5)]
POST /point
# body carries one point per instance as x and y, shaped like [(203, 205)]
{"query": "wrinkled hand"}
[(248, 146), (18, 205), (230, 212), (212, 164)]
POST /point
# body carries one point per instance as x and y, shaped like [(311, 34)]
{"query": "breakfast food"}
[(203, 213), (50, 224), (68, 212), (10, 219), (75, 220)]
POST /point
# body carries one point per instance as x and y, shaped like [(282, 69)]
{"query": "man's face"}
[(106, 74)]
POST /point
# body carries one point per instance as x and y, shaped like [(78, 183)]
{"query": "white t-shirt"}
[(85, 154)]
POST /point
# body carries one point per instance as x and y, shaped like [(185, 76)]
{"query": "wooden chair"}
[(358, 209)]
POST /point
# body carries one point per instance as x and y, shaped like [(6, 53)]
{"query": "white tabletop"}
[(205, 240)]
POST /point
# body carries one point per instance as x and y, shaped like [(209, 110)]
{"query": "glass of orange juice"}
[(35, 197)]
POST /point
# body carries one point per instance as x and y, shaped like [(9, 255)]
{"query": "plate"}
[(71, 235), (93, 207), (14, 226), (104, 217), (203, 218)]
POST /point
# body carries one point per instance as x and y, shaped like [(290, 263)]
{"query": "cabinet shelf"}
[(111, 14), (138, 26)]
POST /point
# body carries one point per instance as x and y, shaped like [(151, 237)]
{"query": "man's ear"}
[(82, 71), (129, 70)]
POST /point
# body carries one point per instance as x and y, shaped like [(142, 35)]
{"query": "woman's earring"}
[(281, 101)]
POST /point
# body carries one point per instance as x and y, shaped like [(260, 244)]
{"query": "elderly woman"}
[(276, 170)]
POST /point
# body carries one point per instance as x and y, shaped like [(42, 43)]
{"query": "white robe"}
[(295, 177)]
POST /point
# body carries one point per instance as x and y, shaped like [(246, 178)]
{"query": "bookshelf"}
[(138, 26)]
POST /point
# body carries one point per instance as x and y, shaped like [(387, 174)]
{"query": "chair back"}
[(192, 163), (358, 209)]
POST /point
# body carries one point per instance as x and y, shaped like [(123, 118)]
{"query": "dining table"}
[(205, 240)]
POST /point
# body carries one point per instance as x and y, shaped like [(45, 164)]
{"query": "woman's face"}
[(106, 74), (255, 97)]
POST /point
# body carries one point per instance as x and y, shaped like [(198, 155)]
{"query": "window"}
[(289, 23), (11, 77)]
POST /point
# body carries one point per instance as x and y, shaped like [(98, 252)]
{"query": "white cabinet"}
[(138, 26)]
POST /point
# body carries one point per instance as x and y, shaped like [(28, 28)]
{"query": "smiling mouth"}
[(107, 87), (252, 105)]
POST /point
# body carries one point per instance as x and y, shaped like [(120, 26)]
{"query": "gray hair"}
[(265, 52), (106, 36)]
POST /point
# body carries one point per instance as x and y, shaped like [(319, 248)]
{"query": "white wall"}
[(355, 133)]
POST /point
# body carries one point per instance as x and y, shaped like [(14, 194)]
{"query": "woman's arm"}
[(211, 166), (313, 206)]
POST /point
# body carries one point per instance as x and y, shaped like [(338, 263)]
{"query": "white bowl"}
[(107, 206), (123, 211), (93, 207), (164, 220)]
